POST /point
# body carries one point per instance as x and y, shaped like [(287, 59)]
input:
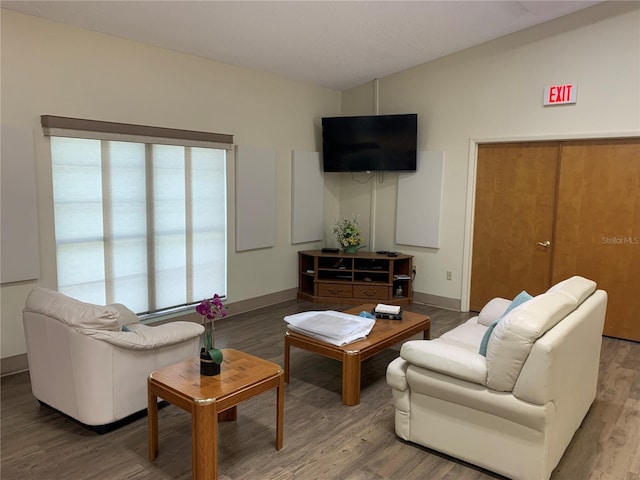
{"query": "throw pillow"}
[(517, 301)]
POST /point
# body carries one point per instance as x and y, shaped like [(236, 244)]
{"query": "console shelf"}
[(354, 278)]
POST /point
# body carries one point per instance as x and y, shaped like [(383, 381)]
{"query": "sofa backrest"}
[(515, 334), (72, 312), (564, 362)]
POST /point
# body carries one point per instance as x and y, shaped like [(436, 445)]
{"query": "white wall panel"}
[(255, 197), (420, 202), (20, 253), (307, 195)]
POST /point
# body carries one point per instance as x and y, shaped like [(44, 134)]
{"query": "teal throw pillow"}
[(518, 300)]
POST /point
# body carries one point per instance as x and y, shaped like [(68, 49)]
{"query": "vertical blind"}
[(139, 223)]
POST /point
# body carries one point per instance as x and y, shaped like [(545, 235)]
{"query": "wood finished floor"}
[(323, 439)]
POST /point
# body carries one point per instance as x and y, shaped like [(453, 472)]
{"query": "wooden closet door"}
[(598, 226), (514, 212)]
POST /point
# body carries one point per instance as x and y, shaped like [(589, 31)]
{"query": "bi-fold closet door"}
[(545, 211)]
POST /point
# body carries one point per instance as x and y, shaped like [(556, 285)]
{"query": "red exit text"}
[(560, 94)]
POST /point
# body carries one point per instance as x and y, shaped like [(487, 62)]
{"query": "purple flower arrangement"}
[(210, 309)]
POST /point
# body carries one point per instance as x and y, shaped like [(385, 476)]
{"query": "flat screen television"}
[(370, 143)]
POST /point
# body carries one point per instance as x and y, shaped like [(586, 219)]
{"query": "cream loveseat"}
[(514, 411), (91, 362)]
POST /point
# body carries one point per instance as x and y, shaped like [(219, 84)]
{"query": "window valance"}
[(101, 130)]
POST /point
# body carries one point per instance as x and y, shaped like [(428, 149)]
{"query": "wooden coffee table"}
[(209, 399), (384, 334)]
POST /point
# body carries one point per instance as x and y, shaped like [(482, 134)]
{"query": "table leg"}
[(228, 415), (152, 414), (204, 441), (287, 348), (280, 413), (351, 378), (426, 335)]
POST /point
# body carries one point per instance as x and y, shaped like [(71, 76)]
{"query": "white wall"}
[(494, 92), (50, 68)]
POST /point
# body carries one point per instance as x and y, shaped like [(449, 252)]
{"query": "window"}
[(139, 220)]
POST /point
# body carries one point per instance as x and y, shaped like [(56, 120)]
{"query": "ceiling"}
[(335, 44)]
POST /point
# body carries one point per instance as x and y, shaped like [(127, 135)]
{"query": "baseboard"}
[(250, 304), (15, 364), (438, 301)]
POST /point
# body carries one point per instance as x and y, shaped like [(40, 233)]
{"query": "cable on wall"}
[(372, 205)]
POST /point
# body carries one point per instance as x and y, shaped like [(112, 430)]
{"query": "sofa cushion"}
[(516, 302), (72, 312), (467, 335), (493, 310)]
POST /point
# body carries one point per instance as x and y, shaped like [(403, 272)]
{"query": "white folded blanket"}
[(336, 328)]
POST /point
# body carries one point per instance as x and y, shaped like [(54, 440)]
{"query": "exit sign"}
[(560, 94)]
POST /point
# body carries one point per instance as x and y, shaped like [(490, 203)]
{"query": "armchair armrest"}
[(144, 337), (445, 358)]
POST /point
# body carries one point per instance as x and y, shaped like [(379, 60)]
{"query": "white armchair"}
[(91, 362)]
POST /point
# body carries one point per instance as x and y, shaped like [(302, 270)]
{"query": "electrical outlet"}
[(415, 270), (449, 275)]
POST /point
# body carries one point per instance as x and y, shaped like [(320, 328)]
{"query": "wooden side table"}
[(209, 399)]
